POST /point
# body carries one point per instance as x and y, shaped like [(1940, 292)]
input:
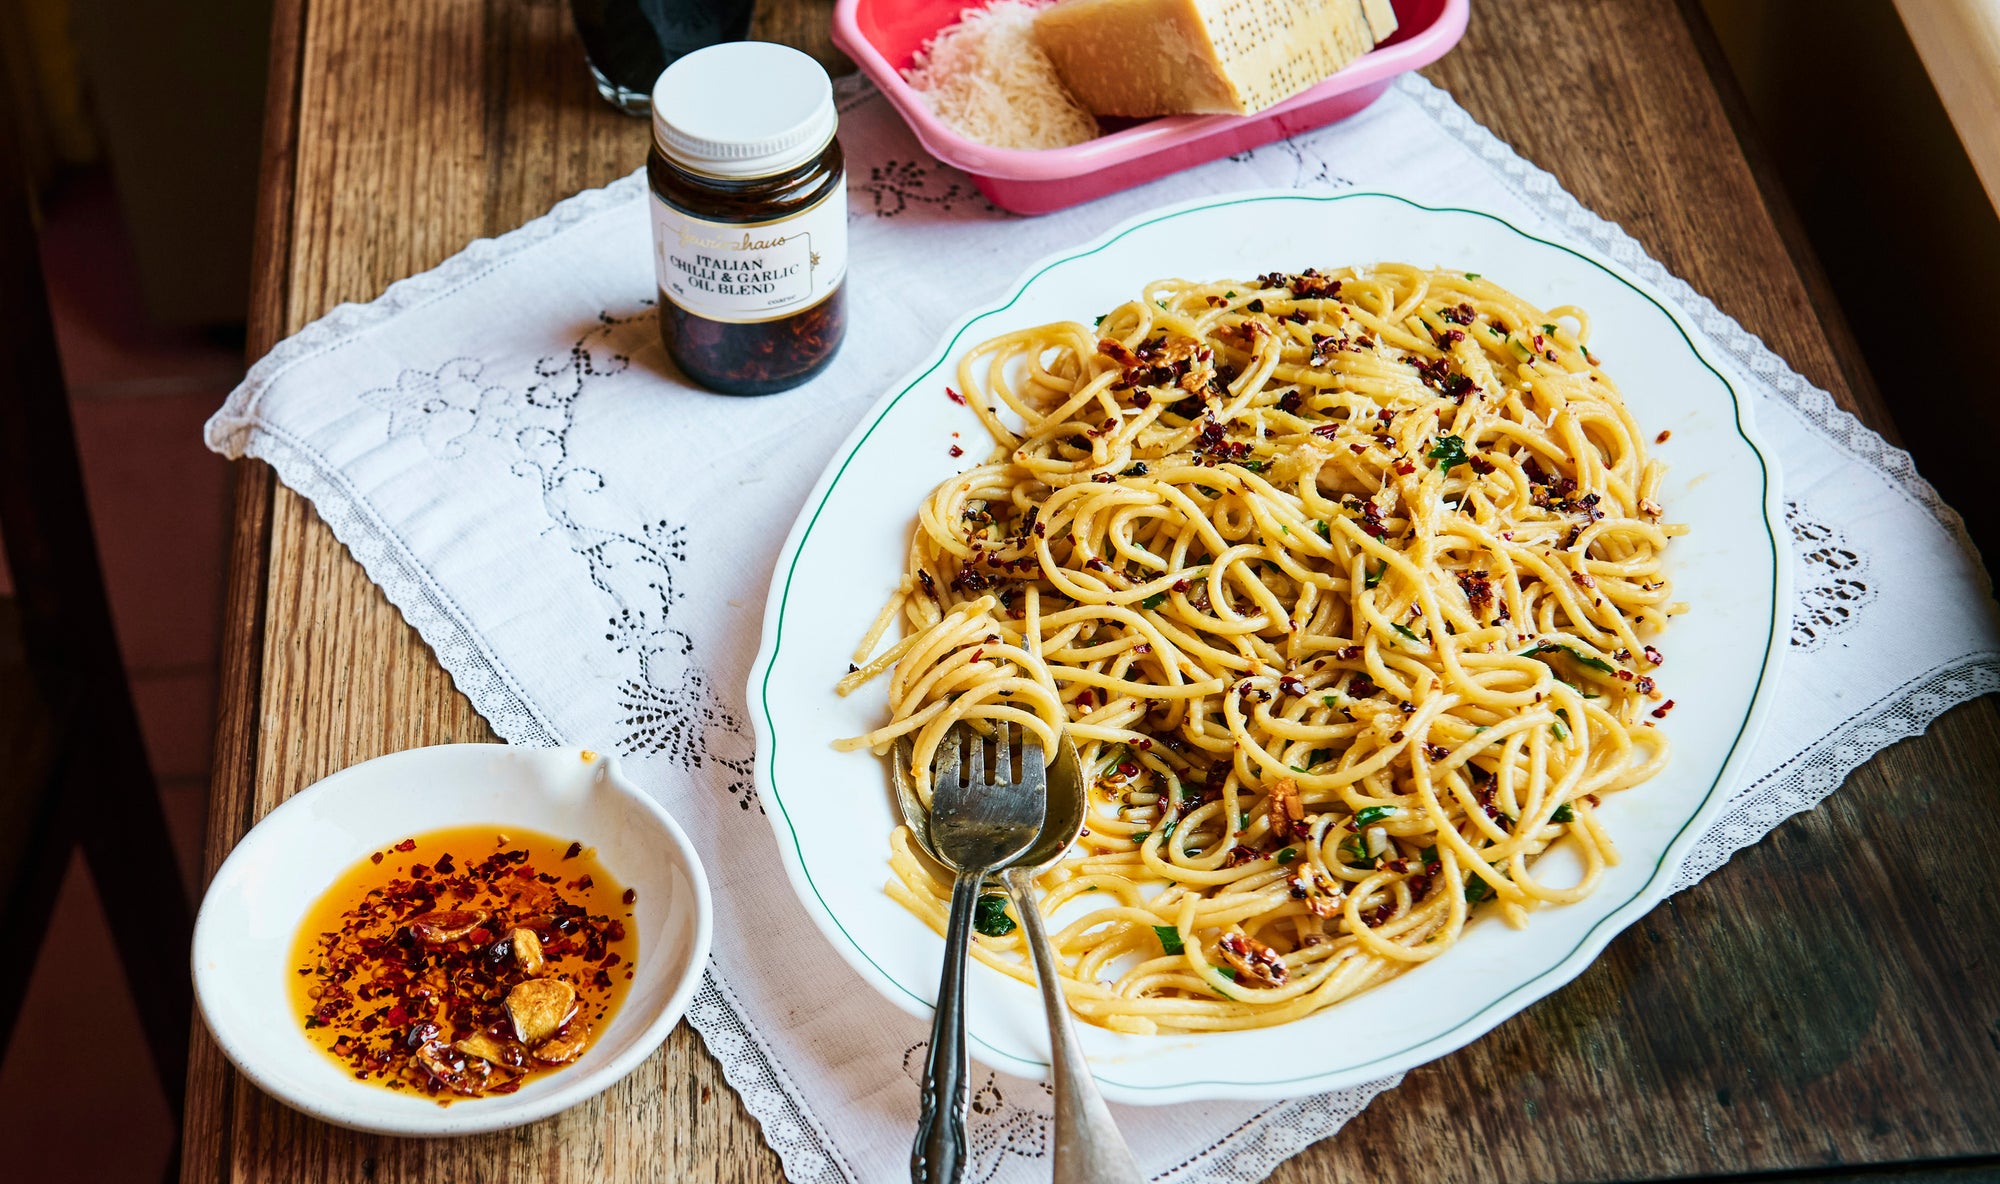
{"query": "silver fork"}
[(977, 827)]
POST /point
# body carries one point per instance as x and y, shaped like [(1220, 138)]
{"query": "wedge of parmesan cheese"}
[(1172, 57), (987, 79)]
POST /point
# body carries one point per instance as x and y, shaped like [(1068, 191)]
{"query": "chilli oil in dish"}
[(464, 962)]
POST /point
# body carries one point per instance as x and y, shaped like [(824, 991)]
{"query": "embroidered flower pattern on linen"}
[(898, 186), (671, 704), (447, 407), (1832, 587), (995, 1129)]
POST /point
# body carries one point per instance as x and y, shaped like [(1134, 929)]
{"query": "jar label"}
[(745, 272)]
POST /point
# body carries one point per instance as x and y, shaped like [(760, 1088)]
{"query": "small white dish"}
[(251, 914)]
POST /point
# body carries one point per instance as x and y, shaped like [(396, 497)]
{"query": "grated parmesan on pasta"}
[(987, 78)]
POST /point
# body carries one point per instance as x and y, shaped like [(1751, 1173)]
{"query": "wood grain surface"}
[(1824, 1001), (1959, 41)]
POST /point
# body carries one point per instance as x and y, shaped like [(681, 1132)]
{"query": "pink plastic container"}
[(883, 35)]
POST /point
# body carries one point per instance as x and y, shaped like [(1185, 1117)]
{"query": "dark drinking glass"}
[(629, 42)]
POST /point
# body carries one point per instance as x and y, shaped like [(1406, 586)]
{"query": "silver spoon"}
[(1089, 1147)]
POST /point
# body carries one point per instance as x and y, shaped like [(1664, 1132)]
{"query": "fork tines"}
[(962, 757)]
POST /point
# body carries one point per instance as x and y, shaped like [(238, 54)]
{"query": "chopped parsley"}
[(1374, 814), (1563, 814), (1549, 329), (1406, 631), (1429, 854), (1551, 647), (1472, 275), (1170, 939), (1375, 577), (1448, 452), (1560, 726), (1154, 601), (1476, 890), (1325, 531), (990, 917), (1291, 853)]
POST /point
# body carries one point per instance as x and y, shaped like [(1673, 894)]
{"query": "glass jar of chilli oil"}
[(749, 198)]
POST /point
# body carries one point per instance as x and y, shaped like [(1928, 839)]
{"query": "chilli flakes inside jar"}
[(463, 962)]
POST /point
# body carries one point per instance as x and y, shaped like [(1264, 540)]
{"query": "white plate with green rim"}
[(833, 811)]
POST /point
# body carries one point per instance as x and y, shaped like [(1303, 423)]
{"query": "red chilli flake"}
[(954, 396), (1478, 591), (402, 974), (1660, 712)]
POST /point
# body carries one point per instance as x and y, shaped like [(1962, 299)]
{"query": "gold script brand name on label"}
[(732, 272)]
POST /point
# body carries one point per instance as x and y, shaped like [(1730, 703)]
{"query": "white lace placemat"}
[(586, 543)]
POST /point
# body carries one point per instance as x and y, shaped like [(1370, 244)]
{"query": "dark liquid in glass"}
[(630, 41)]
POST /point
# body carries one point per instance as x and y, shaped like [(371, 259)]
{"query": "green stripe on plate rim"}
[(945, 355)]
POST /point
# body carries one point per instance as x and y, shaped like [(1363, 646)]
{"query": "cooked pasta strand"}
[(1344, 585)]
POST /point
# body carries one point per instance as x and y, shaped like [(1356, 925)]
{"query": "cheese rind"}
[(1171, 57)]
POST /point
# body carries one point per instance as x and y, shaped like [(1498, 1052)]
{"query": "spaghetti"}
[(1343, 585)]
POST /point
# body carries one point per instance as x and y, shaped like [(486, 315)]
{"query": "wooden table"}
[(1826, 1002)]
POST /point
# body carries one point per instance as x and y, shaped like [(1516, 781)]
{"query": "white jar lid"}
[(743, 109)]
